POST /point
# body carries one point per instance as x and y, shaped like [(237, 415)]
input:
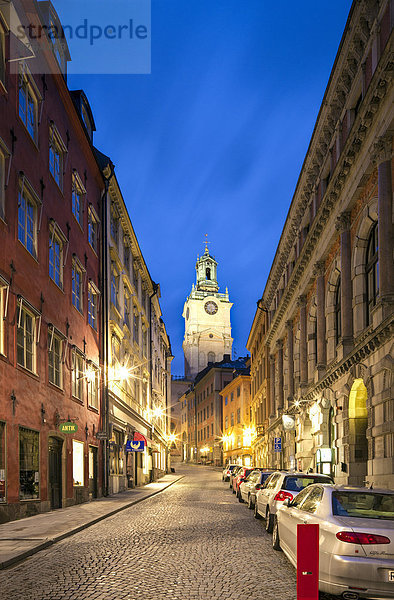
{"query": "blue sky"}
[(213, 140)]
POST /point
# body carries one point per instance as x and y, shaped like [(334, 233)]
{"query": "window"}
[(238, 415), (56, 241), (114, 287), (55, 365), (226, 422), (127, 258), (4, 293), (127, 309), (77, 199), (2, 55), (225, 401), (114, 225), (337, 312), (57, 149), (92, 305), (26, 339), (116, 453), (372, 271), (28, 104), (211, 409), (211, 357), (93, 225), (29, 461), (311, 503), (92, 377), (77, 284), (77, 375), (238, 391), (136, 327), (232, 396), (232, 419), (78, 463), (27, 218)]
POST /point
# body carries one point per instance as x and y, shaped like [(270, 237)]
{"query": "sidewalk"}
[(22, 538)]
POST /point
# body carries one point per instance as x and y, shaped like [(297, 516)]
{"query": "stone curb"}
[(49, 542)]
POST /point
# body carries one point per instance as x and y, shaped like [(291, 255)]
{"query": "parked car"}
[(241, 476), (356, 541), (227, 471), (280, 486), (253, 482), (233, 474)]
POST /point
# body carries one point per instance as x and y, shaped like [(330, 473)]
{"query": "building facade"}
[(238, 430), (322, 337), (207, 319), (50, 191)]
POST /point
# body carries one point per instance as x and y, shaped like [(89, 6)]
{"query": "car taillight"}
[(362, 538), (283, 496)]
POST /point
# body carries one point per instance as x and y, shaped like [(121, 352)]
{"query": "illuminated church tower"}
[(207, 319)]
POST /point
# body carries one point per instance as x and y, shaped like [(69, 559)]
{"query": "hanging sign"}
[(68, 427), (138, 446)]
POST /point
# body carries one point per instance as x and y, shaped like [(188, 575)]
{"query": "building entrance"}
[(55, 472), (358, 423), (93, 472)]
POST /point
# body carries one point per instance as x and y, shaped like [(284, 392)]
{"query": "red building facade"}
[(50, 191)]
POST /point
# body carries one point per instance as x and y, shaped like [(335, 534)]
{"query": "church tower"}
[(207, 319)]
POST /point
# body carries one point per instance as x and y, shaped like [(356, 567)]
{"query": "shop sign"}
[(68, 427), (138, 446), (102, 435)]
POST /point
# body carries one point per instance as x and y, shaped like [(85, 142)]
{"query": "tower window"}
[(208, 273)]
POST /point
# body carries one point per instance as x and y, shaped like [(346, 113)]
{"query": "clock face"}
[(211, 307)]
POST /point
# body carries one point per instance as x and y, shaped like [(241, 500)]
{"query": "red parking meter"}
[(307, 562)]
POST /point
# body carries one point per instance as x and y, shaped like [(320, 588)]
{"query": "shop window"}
[(55, 365), (26, 338), (78, 463), (29, 461), (372, 271), (2, 462)]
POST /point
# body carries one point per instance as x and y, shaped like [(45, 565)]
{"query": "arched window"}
[(211, 357), (208, 273), (337, 312), (372, 271)]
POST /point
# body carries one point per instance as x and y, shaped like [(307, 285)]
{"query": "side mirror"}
[(286, 502), (258, 486)]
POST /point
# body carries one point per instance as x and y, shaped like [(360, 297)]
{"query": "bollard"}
[(307, 562)]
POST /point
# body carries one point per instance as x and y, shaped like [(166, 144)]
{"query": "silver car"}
[(356, 538), (248, 488), (281, 486), (228, 470)]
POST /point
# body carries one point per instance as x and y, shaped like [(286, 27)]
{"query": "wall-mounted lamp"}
[(43, 419), (260, 305)]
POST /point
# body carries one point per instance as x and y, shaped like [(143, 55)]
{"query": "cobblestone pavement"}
[(193, 541)]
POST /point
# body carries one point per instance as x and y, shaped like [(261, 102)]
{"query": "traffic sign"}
[(277, 444)]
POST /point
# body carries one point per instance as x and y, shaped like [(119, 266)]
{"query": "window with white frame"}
[(77, 284), (56, 241), (27, 217), (26, 338), (92, 378), (55, 365), (93, 228), (92, 305), (77, 198), (77, 375), (28, 103), (57, 150)]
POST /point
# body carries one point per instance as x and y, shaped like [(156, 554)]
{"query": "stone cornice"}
[(381, 81), (353, 47)]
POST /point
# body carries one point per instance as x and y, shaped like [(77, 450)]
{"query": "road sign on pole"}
[(277, 444)]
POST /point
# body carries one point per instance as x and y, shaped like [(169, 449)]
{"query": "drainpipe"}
[(155, 288)]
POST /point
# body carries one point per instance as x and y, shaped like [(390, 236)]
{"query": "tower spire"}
[(206, 244)]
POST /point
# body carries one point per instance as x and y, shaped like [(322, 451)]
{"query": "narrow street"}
[(192, 541)]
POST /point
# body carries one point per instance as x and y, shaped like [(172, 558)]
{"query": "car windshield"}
[(297, 483), (370, 505)]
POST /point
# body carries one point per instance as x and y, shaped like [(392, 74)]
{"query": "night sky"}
[(213, 140)]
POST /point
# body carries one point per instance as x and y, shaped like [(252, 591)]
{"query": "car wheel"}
[(256, 513), (240, 497), (275, 536), (234, 491), (250, 503), (269, 522)]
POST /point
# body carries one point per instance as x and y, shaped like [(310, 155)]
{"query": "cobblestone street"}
[(192, 541)]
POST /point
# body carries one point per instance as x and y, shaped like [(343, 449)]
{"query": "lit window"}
[(77, 375), (93, 226), (27, 219), (78, 463), (55, 366), (57, 150), (28, 104), (26, 339), (92, 306), (77, 285), (372, 271), (77, 198), (93, 386)]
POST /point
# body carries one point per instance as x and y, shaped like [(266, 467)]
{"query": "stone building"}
[(136, 349), (50, 190), (238, 430), (322, 337)]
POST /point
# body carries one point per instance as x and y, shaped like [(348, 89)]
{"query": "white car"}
[(249, 487), (356, 538), (228, 469), (280, 486)]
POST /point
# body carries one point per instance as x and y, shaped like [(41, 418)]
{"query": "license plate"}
[(391, 576)]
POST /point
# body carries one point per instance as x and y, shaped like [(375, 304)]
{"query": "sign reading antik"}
[(68, 427)]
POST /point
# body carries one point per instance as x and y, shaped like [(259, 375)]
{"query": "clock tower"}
[(207, 319)]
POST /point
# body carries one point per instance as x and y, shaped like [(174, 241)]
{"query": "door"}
[(55, 472), (92, 472)]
